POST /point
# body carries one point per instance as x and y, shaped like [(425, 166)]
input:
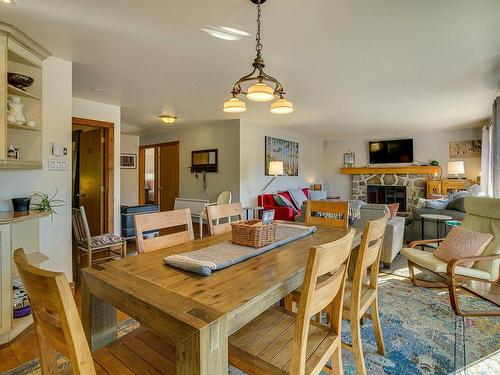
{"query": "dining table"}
[(195, 314)]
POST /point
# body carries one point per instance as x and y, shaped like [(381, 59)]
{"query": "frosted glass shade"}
[(275, 168), (235, 105), (282, 107), (260, 92), (456, 167), (168, 119)]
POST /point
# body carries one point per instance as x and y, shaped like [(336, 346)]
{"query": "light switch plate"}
[(58, 165)]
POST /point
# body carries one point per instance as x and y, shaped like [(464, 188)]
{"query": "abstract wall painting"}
[(285, 151)]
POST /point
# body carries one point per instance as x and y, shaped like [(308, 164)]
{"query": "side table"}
[(438, 219)]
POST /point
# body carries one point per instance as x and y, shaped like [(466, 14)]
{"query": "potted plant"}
[(42, 202)]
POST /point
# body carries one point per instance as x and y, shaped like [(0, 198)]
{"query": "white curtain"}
[(490, 155)]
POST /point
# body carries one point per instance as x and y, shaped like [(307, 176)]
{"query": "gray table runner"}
[(225, 254)]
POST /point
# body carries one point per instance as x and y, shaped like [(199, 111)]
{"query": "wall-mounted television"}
[(392, 151)]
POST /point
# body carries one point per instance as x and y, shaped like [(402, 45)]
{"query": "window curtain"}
[(490, 154)]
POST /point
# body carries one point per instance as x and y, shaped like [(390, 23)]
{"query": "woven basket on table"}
[(253, 233)]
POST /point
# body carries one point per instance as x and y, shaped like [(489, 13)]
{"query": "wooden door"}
[(169, 175), (91, 178)]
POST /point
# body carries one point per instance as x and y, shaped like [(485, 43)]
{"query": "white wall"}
[(426, 147), (129, 186), (110, 113), (55, 233), (222, 135), (252, 150)]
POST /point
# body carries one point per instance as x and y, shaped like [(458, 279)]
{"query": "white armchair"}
[(224, 198)]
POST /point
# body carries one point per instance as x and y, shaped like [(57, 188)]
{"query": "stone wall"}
[(415, 185)]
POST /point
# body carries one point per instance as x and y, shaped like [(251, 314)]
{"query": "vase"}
[(15, 109)]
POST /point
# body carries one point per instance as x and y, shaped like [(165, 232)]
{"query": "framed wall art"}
[(128, 161), (281, 150), (465, 149)]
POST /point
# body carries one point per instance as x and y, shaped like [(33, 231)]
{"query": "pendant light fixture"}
[(167, 119), (260, 91)]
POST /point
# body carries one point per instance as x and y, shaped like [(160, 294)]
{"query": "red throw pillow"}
[(461, 243), (393, 209)]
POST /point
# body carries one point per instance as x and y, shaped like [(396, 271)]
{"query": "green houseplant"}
[(42, 202)]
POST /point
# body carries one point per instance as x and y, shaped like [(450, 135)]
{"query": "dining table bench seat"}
[(193, 313)]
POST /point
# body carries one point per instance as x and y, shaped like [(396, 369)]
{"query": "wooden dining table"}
[(196, 314)]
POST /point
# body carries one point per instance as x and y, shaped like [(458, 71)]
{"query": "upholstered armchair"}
[(483, 215), (394, 230)]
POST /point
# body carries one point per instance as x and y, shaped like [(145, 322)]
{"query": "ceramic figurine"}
[(15, 110)]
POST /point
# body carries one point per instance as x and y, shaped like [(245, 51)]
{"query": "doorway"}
[(159, 174), (92, 172)]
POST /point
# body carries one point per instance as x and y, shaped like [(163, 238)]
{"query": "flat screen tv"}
[(393, 151)]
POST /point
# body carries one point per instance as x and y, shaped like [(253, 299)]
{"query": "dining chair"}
[(86, 244), (362, 293), (224, 198), (162, 221), (282, 342), (59, 330), (330, 213), (223, 211)]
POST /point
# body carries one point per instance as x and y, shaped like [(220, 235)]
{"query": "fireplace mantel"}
[(409, 169)]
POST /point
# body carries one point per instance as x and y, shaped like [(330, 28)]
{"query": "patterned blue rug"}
[(422, 335)]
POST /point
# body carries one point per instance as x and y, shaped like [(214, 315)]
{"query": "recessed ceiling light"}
[(9, 2), (225, 32), (167, 119)]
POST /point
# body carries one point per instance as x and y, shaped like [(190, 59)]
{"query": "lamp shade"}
[(235, 105), (260, 92), (275, 168), (282, 107), (456, 167)]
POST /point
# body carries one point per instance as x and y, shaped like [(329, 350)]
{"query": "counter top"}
[(7, 217)]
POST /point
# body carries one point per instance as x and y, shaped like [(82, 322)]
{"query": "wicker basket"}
[(253, 233)]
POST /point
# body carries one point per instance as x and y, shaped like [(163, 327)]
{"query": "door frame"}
[(109, 167), (142, 167)]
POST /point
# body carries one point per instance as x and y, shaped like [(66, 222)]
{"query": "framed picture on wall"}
[(285, 151), (128, 161)]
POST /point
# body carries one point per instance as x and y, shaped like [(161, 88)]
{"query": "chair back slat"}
[(329, 213), (369, 254), (162, 221), (323, 287), (55, 317), (81, 230), (226, 212)]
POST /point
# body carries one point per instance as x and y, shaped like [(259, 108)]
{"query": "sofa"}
[(280, 212), (394, 231)]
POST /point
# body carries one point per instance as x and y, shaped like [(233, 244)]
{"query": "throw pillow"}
[(298, 197), (393, 209), (462, 242), (457, 204), (284, 202), (437, 204)]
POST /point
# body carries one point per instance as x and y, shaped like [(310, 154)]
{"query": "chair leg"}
[(337, 368), (357, 346), (89, 257), (201, 227), (377, 327), (412, 272), (124, 249)]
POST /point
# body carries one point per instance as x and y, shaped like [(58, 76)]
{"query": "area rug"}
[(422, 335)]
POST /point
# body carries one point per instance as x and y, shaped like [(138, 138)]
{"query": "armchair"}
[(483, 215)]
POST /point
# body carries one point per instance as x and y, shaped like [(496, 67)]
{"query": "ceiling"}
[(351, 67)]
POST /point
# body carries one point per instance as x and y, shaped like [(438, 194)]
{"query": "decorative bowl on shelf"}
[(19, 80)]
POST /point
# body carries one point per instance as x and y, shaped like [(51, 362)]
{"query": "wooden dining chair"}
[(59, 329), (163, 221), (86, 244), (329, 213), (281, 342), (362, 293), (226, 212)]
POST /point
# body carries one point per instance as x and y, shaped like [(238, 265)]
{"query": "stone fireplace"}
[(415, 186)]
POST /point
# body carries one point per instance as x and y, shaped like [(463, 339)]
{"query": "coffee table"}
[(438, 219)]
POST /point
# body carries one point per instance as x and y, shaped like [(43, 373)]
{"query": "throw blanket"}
[(225, 254)]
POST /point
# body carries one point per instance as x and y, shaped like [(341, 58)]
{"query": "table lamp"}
[(275, 169), (456, 168)]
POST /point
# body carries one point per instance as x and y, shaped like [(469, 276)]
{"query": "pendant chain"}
[(258, 47)]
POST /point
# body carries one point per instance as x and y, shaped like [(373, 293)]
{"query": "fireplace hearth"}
[(386, 195)]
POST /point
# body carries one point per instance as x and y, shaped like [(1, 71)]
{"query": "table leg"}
[(98, 319), (423, 221), (437, 228), (205, 352)]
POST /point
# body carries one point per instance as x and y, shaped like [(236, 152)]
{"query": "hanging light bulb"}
[(282, 107), (235, 105), (260, 92)]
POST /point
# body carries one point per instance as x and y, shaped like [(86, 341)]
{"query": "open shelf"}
[(12, 125), (13, 90), (20, 164)]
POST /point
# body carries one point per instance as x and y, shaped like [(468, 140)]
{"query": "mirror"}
[(204, 160)]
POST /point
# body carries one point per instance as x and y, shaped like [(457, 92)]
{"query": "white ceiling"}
[(350, 66)]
